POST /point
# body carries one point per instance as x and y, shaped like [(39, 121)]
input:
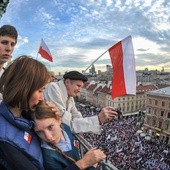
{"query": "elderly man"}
[(62, 94)]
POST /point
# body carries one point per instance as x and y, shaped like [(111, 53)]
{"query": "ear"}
[(67, 81)]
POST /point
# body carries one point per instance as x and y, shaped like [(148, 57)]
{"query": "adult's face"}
[(48, 130), (7, 45), (73, 87), (36, 97)]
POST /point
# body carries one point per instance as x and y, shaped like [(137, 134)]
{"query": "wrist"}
[(80, 164)]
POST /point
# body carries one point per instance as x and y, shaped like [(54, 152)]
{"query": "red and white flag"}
[(124, 72), (27, 137), (45, 52)]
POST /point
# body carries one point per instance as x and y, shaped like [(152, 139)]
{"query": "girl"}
[(58, 147)]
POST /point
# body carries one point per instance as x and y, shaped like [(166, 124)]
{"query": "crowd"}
[(125, 148)]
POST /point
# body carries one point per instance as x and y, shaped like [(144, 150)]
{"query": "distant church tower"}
[(162, 70), (92, 70)]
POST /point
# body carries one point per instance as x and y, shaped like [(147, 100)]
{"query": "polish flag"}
[(45, 52), (27, 137), (124, 72)]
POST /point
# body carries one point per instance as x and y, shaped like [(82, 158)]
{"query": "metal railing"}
[(85, 146)]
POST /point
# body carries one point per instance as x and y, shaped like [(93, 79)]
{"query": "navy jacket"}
[(53, 160), (17, 132)]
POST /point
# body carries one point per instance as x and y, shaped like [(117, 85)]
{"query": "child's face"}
[(48, 130)]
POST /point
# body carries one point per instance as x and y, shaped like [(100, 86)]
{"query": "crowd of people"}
[(125, 147)]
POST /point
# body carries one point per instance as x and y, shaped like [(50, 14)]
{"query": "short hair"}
[(9, 30), (45, 111), (21, 79)]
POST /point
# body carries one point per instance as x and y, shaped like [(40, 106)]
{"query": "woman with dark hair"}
[(22, 85)]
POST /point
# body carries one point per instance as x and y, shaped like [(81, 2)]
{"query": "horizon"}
[(77, 32)]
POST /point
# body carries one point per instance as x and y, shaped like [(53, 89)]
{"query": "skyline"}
[(78, 32)]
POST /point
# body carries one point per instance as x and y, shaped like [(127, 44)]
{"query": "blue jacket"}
[(18, 132), (55, 161)]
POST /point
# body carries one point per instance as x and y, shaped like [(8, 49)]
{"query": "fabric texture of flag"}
[(45, 52), (124, 72)]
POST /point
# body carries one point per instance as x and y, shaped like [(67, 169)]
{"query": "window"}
[(162, 113), (156, 102), (168, 115), (149, 110), (166, 126), (163, 103), (160, 124), (155, 112)]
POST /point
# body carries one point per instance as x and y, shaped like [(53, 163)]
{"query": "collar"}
[(63, 89)]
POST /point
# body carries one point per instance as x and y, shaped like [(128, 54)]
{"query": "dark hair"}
[(75, 75), (21, 79), (9, 30), (44, 111)]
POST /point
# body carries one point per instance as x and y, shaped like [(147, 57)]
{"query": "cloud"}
[(21, 41), (77, 32)]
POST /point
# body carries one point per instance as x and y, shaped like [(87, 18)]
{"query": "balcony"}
[(85, 146)]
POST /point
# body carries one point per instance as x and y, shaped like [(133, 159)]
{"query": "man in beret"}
[(62, 94)]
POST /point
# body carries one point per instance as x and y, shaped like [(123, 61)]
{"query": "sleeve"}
[(80, 124), (11, 157), (53, 161)]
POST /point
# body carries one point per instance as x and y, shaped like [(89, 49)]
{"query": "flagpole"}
[(37, 57), (94, 61)]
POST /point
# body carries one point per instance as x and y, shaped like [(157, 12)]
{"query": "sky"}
[(79, 31)]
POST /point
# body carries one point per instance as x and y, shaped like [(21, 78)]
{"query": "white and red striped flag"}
[(124, 72), (45, 52)]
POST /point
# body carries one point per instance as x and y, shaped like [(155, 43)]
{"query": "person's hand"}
[(92, 157), (107, 114)]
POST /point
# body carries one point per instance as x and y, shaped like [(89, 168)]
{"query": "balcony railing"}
[(85, 146)]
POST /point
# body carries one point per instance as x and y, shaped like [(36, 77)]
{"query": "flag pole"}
[(94, 61), (37, 57)]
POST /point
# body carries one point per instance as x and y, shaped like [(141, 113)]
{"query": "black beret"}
[(75, 75)]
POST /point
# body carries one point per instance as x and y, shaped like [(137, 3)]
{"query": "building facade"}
[(157, 118)]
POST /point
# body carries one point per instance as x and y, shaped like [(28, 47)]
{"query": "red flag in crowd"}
[(45, 52), (124, 72)]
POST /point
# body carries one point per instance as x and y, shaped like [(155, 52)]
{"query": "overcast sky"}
[(79, 31)]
